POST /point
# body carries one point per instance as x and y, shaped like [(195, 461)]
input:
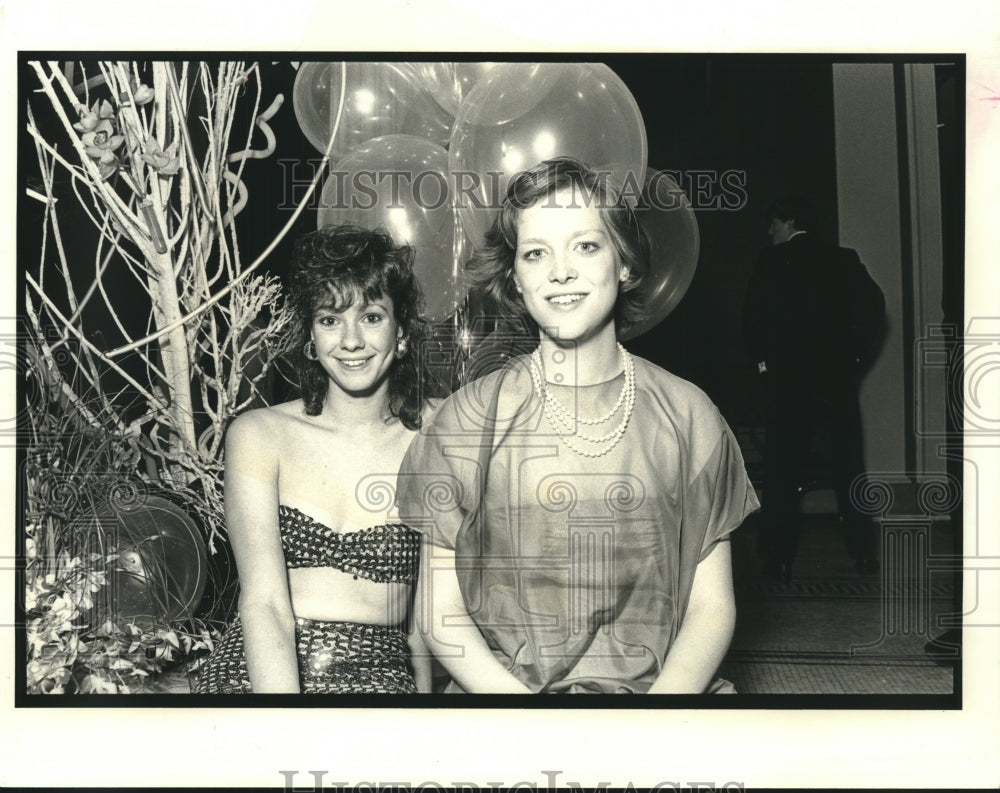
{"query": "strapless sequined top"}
[(387, 553)]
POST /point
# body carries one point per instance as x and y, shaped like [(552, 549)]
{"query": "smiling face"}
[(566, 267), (356, 345)]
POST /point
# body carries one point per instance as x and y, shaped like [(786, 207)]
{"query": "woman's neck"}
[(357, 410), (582, 362)]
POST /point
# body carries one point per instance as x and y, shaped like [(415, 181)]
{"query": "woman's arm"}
[(706, 630), (251, 482), (420, 660), (450, 633)]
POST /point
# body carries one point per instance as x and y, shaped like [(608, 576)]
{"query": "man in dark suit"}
[(811, 319)]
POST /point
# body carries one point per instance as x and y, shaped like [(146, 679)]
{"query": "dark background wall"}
[(768, 119)]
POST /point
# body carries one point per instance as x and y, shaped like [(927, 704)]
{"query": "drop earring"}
[(309, 350), (401, 347)]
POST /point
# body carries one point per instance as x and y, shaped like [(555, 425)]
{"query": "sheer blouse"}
[(576, 570)]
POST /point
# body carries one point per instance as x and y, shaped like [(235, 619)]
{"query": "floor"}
[(831, 630)]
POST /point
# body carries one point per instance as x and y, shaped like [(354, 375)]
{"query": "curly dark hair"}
[(490, 270), (333, 267)]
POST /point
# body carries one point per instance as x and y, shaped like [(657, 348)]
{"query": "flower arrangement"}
[(69, 654), (77, 642), (146, 334)]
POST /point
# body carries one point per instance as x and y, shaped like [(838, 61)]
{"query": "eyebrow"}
[(363, 306), (573, 236)]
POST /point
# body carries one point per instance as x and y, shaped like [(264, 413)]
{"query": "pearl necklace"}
[(565, 422)]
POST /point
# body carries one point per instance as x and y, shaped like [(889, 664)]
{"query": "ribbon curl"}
[(242, 194)]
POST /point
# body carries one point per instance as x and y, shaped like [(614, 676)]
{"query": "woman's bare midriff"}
[(325, 593)]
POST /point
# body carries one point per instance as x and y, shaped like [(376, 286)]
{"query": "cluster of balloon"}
[(161, 570), (400, 182), (519, 114), (666, 216), (427, 150)]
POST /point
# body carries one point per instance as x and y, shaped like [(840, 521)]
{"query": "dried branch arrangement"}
[(147, 152), (162, 198)]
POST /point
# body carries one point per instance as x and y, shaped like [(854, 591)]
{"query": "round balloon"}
[(162, 566), (666, 216), (519, 114), (400, 182), (450, 83), (380, 98)]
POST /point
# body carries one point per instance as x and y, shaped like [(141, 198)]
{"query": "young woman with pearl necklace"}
[(575, 504)]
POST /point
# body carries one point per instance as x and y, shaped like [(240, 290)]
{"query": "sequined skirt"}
[(333, 657)]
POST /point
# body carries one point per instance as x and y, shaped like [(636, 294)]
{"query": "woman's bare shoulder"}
[(267, 423)]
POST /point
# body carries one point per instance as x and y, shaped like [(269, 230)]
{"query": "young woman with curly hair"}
[(325, 594)]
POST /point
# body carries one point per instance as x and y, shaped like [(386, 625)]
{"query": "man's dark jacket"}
[(812, 312)]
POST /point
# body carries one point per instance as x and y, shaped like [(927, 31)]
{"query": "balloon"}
[(519, 114), (400, 182), (668, 220), (450, 83), (162, 567), (381, 99)]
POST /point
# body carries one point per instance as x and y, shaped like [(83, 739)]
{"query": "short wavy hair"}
[(490, 270), (333, 267)]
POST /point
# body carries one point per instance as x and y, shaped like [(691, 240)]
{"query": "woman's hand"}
[(706, 629), (451, 634)]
